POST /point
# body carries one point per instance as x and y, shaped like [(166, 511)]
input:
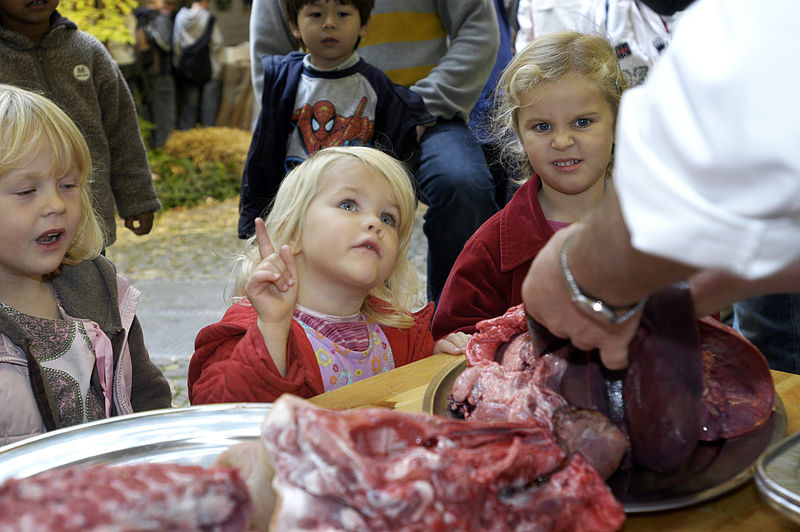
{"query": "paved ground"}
[(183, 269)]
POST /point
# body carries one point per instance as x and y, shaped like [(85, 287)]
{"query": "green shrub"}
[(199, 165), (182, 183)]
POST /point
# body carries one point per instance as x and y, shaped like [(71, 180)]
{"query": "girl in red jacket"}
[(556, 112), (325, 287)]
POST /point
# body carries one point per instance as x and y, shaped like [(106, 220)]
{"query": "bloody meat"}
[(379, 469), (688, 380), (135, 497)]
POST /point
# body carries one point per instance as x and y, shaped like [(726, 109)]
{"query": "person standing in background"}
[(480, 119), (153, 49), (537, 17), (198, 101), (444, 52), (42, 51)]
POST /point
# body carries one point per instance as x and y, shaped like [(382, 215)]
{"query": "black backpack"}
[(195, 63)]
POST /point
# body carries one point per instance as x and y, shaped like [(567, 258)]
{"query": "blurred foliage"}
[(199, 165), (182, 183), (106, 21), (211, 144)]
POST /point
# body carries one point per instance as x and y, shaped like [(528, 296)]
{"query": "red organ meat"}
[(688, 380), (738, 393), (130, 498), (379, 469)]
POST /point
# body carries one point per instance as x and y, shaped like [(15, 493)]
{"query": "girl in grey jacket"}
[(71, 347)]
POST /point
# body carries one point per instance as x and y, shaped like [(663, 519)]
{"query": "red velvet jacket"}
[(231, 362), (486, 279)]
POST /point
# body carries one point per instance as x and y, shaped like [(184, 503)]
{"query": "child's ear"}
[(364, 28), (295, 32)]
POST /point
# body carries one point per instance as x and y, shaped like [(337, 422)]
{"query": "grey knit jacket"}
[(75, 70), (91, 290)]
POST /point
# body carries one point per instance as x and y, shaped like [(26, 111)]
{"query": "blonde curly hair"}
[(551, 57)]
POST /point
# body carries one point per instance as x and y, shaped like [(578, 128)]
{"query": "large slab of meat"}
[(127, 498), (380, 470), (689, 380)]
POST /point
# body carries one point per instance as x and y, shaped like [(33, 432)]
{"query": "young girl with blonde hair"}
[(71, 347), (324, 289), (555, 116)]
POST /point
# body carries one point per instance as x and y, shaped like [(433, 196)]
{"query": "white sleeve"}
[(707, 163)]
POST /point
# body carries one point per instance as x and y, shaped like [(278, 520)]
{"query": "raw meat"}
[(738, 392), (378, 469), (489, 392), (520, 381), (688, 380), (662, 388), (255, 466), (126, 498)]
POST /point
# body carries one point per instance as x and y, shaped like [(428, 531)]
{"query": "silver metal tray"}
[(715, 468), (777, 477), (194, 435)]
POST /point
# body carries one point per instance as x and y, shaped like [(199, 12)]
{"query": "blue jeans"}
[(458, 189), (198, 104), (772, 323)]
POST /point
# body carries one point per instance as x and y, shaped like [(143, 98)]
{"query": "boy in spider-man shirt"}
[(326, 97)]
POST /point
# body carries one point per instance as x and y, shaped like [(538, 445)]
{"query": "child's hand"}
[(452, 344), (272, 286)]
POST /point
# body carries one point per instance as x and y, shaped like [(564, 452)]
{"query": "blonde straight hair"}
[(29, 121), (286, 218)]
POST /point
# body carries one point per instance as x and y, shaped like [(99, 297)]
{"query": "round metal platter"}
[(777, 477), (714, 469), (194, 435)]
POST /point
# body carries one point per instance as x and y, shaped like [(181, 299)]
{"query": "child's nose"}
[(562, 140), (54, 203), (373, 224)]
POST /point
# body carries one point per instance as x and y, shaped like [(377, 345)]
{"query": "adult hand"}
[(547, 300), (140, 224), (272, 286)]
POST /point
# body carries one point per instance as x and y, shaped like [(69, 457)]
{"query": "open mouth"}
[(36, 3), (49, 237)]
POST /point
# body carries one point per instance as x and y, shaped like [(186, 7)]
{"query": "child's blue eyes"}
[(350, 205)]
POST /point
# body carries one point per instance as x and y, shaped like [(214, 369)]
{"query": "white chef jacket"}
[(708, 149)]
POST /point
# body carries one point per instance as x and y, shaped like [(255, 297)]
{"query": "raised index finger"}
[(265, 248)]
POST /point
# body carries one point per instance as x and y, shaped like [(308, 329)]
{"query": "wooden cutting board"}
[(401, 389)]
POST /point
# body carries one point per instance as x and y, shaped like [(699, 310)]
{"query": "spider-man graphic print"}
[(320, 126)]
